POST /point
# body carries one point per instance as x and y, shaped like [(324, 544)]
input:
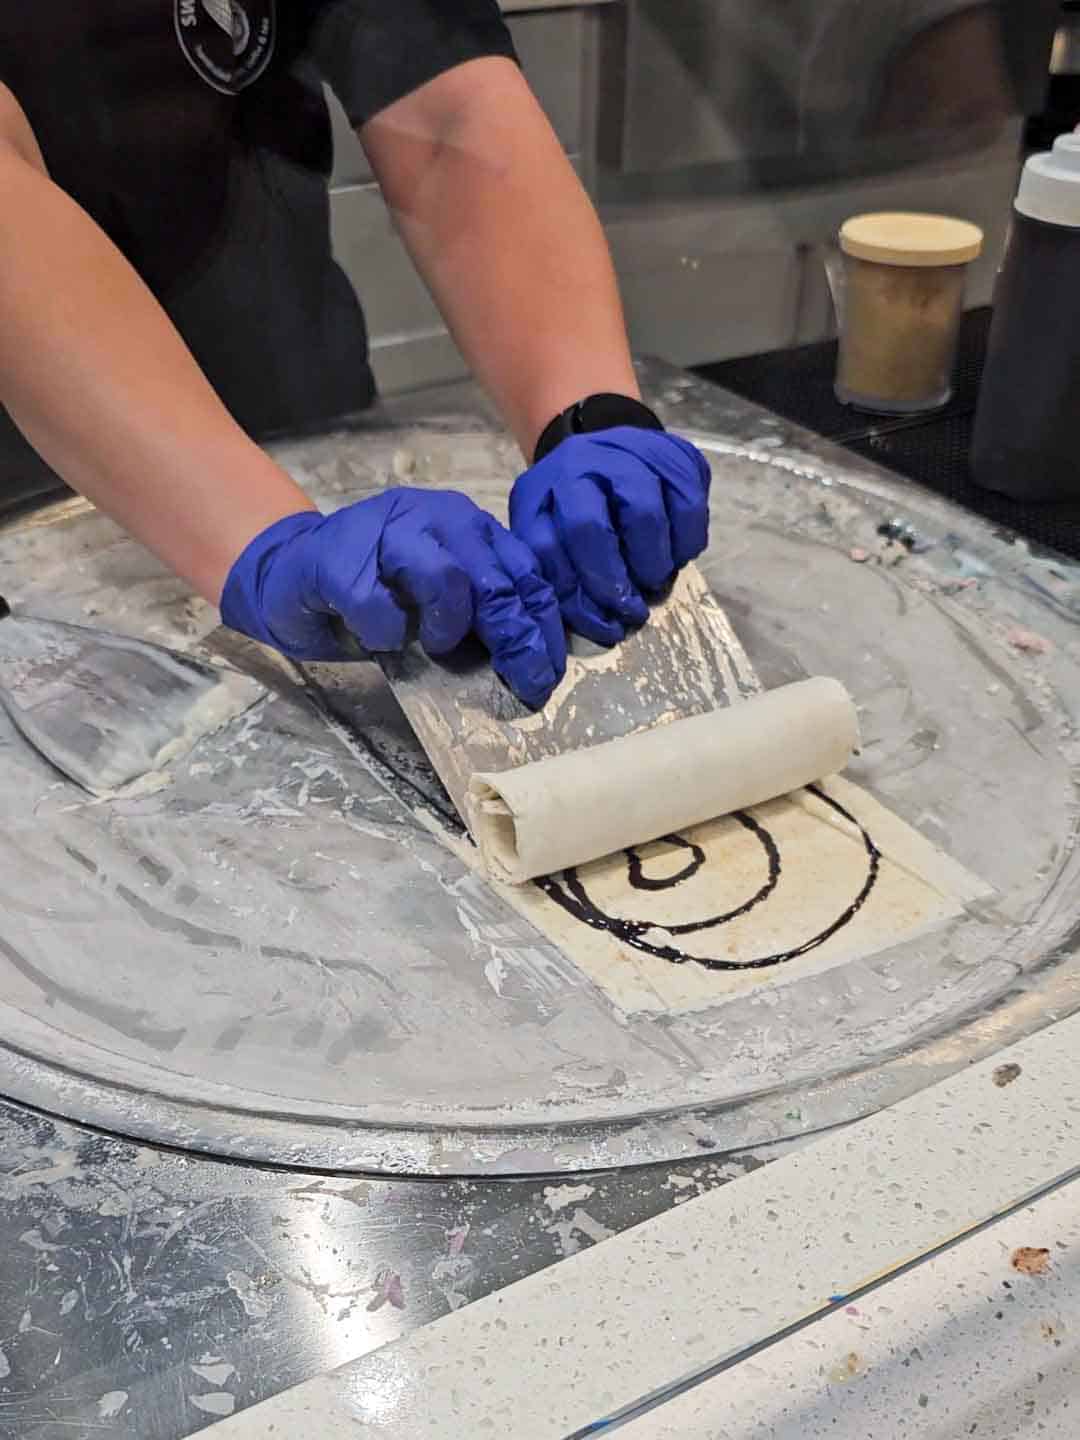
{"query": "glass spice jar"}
[(900, 302)]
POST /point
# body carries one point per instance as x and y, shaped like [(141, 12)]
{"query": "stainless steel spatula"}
[(686, 661), (105, 709)]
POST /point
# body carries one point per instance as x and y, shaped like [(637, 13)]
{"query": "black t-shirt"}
[(196, 133)]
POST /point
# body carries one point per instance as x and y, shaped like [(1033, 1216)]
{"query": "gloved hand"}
[(428, 550), (612, 516)]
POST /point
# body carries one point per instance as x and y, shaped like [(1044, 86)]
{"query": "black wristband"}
[(598, 412)]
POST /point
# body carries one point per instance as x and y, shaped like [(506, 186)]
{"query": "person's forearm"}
[(507, 240), (98, 380)]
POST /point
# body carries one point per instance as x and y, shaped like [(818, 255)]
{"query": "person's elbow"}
[(17, 137), (478, 113)]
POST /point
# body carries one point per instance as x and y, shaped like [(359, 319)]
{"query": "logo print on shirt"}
[(229, 43)]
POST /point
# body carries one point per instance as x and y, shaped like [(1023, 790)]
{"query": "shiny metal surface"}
[(147, 1294), (288, 965), (125, 1266)]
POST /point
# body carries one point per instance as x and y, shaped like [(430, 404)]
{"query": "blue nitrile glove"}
[(432, 551), (612, 516)]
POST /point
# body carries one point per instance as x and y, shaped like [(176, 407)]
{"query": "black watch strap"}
[(598, 412)]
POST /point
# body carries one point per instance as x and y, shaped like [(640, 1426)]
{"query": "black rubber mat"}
[(932, 449)]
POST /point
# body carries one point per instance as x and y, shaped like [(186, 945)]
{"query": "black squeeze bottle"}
[(1028, 419)]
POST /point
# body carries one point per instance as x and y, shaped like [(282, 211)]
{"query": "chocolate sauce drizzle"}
[(568, 891)]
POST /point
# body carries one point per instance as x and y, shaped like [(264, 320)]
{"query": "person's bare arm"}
[(96, 377), (507, 240)]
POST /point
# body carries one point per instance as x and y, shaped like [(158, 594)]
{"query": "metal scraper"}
[(104, 709), (687, 660)]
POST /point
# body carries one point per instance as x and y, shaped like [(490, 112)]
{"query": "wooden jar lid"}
[(900, 238)]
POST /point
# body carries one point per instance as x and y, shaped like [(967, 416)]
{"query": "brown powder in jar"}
[(900, 330), (904, 278)]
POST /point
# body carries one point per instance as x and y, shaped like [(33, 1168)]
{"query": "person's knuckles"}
[(527, 505), (451, 514), (448, 585), (651, 563), (532, 659), (520, 654), (440, 634), (602, 575), (685, 478), (517, 558), (517, 641), (344, 590), (651, 572), (696, 459), (492, 586), (584, 618), (547, 614), (638, 500), (401, 536), (448, 616), (594, 535), (692, 539), (593, 548), (677, 463), (506, 627), (645, 531), (300, 633), (537, 594), (554, 563), (689, 528), (437, 582), (528, 657), (665, 450), (548, 550), (376, 619)]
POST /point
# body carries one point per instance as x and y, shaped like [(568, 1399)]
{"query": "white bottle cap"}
[(1050, 185)]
